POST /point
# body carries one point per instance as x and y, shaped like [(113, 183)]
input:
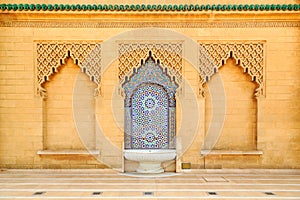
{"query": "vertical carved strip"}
[(172, 127), (127, 128)]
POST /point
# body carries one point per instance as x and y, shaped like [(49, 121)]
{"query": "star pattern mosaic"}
[(150, 107), (150, 117)]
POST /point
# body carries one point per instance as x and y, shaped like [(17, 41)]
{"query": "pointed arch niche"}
[(241, 66), (59, 66), (50, 55)]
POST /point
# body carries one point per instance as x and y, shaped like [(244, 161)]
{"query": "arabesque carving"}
[(96, 24), (249, 55), (52, 54), (169, 53)]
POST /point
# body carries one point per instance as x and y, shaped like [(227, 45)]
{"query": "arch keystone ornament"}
[(50, 55)]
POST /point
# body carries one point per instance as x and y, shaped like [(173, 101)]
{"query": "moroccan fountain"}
[(150, 113)]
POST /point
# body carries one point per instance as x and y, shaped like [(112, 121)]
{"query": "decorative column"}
[(127, 123), (172, 122)]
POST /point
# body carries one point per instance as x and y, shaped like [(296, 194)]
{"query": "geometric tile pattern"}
[(150, 117), (249, 55), (150, 107), (149, 72), (52, 54)]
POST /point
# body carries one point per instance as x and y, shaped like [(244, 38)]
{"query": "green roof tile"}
[(143, 7)]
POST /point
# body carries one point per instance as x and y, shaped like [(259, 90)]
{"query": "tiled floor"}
[(109, 184)]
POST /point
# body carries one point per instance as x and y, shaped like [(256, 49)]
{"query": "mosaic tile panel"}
[(150, 107), (150, 117), (150, 72)]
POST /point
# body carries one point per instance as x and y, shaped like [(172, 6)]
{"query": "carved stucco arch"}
[(52, 54), (169, 54), (249, 55)]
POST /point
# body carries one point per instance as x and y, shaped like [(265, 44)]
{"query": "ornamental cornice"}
[(110, 19), (214, 24), (149, 8)]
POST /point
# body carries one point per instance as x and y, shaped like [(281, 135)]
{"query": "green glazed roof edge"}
[(148, 7)]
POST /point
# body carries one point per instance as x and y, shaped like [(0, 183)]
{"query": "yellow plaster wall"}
[(21, 122), (191, 140), (110, 111), (240, 124), (61, 131), (278, 125)]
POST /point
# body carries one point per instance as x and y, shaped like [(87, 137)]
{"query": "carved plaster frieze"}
[(50, 55), (169, 54), (249, 55), (76, 24)]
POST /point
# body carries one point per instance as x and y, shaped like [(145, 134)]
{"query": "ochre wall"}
[(241, 109), (275, 115), (60, 127)]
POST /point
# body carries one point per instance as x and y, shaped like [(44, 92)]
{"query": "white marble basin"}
[(150, 159)]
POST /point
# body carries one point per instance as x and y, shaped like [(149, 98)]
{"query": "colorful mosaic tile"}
[(150, 108), (150, 117)]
